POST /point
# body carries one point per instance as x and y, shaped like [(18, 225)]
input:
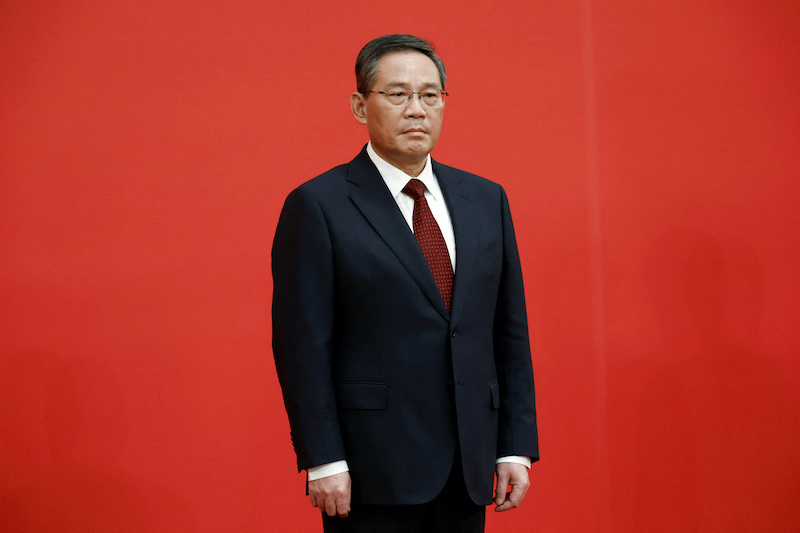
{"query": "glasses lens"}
[(428, 97), (431, 97), (398, 96)]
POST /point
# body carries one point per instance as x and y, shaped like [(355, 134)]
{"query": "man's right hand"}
[(331, 494)]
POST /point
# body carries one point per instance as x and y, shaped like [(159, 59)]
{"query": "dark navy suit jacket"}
[(373, 368)]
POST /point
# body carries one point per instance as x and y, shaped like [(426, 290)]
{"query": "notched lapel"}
[(375, 202), (465, 229)]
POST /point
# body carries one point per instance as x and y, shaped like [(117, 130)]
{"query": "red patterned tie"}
[(430, 239)]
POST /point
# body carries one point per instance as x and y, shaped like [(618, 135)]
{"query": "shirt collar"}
[(396, 179)]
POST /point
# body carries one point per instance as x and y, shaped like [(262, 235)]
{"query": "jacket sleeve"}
[(303, 329), (517, 424)]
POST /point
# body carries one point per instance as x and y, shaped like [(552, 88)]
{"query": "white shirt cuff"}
[(338, 467), (519, 459), (329, 469)]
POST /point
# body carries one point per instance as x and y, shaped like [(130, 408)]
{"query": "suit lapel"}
[(464, 228), (375, 202)]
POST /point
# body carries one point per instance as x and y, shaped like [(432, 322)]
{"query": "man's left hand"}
[(512, 484)]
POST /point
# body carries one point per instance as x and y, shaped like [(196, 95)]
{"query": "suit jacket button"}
[(453, 333)]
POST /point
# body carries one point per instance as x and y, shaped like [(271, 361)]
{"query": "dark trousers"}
[(452, 511)]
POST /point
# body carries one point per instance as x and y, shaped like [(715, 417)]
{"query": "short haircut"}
[(371, 54)]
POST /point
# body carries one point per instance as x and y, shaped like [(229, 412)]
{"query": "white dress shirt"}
[(396, 180)]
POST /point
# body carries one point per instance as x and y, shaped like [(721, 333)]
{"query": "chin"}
[(417, 148)]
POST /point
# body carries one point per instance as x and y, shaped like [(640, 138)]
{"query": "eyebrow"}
[(405, 85)]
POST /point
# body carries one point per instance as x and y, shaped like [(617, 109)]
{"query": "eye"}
[(431, 98)]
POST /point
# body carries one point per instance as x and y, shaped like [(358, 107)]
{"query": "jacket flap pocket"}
[(494, 388), (363, 395)]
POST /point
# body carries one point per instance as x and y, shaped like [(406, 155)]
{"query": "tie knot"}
[(415, 189)]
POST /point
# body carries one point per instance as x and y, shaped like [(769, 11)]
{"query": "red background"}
[(650, 152)]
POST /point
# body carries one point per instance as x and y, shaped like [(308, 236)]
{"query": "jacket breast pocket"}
[(494, 390), (362, 395)]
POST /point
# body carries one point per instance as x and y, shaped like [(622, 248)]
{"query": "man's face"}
[(402, 135)]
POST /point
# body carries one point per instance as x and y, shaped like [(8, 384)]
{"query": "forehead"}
[(407, 68)]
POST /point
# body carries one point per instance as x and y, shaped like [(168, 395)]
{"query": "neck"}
[(412, 166)]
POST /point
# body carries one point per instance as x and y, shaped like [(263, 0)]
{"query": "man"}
[(399, 324)]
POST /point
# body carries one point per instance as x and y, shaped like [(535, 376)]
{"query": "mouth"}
[(412, 131)]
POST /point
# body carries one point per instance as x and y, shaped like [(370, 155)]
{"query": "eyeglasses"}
[(401, 97)]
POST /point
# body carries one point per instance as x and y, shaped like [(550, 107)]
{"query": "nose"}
[(414, 107)]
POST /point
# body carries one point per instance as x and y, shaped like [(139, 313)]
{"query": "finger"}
[(313, 499), (500, 496), (330, 507), (508, 502), (501, 490), (505, 506), (343, 506), (516, 496)]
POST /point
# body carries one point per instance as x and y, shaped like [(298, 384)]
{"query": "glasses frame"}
[(411, 96)]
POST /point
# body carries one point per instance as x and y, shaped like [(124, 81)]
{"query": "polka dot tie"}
[(430, 239)]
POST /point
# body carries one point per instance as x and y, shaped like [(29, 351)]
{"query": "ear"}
[(358, 105)]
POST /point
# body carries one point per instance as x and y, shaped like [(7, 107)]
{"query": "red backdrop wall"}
[(650, 151)]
